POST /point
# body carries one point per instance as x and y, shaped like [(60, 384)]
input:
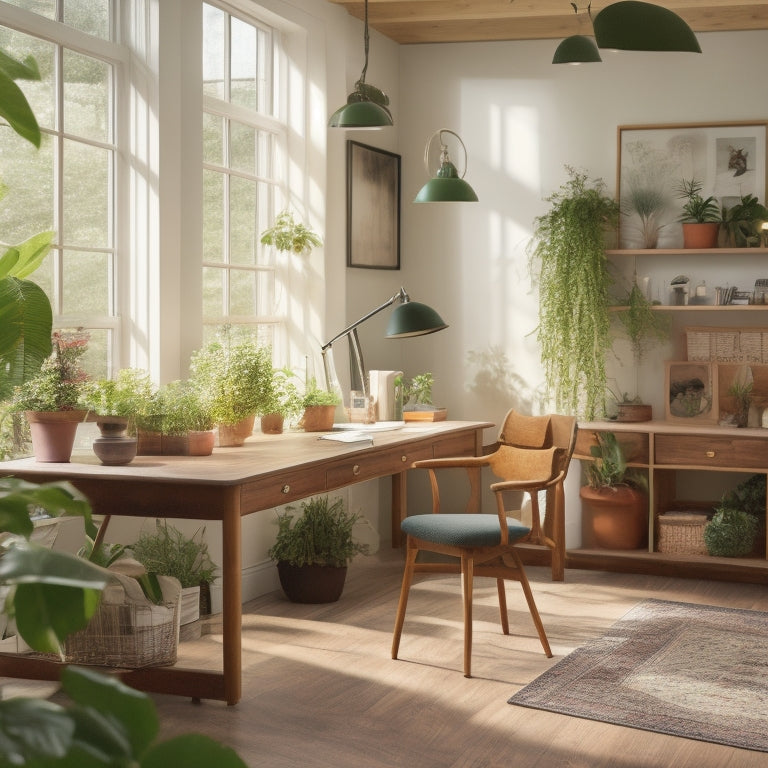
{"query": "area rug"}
[(695, 671)]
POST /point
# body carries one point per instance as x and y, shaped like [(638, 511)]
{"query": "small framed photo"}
[(373, 207), (691, 393)]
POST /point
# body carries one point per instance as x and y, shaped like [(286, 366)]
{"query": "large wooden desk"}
[(266, 472)]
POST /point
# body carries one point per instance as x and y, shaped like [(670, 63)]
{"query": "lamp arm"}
[(400, 295)]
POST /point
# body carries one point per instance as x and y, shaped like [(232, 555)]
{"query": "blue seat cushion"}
[(462, 530)]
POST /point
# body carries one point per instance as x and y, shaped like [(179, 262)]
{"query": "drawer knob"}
[(710, 454), (403, 459), (285, 489), (356, 469)]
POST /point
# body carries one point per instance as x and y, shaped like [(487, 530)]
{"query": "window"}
[(243, 151), (69, 185)]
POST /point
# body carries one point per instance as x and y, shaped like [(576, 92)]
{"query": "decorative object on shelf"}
[(653, 158), (115, 450), (313, 550), (446, 184), (637, 26), (745, 222), (290, 236), (682, 533), (701, 216), (409, 318), (691, 393), (367, 106), (740, 391), (577, 49), (616, 496), (373, 194), (730, 533), (567, 260), (417, 395), (631, 409)]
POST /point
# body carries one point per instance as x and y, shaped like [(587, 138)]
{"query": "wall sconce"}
[(446, 185), (366, 106), (410, 318), (636, 26)]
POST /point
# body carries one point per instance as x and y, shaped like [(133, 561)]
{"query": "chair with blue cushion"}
[(531, 456)]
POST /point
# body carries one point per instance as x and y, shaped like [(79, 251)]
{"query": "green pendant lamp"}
[(367, 106), (447, 185), (576, 49), (635, 26)]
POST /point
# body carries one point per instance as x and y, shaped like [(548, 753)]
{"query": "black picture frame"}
[(373, 207)]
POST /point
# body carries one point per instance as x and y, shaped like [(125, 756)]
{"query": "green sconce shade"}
[(576, 49), (447, 185), (636, 26), (413, 319), (360, 114)]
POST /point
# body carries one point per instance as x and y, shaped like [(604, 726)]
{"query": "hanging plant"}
[(288, 235), (567, 259), (642, 325)]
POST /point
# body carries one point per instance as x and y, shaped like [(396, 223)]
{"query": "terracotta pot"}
[(201, 442), (53, 433), (633, 412), (175, 445), (272, 423), (311, 583), (318, 418), (619, 516), (700, 235), (149, 443), (234, 435)]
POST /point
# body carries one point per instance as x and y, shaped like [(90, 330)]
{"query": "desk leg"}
[(232, 603), (399, 506)]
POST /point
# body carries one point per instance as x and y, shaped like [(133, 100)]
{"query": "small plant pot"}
[(53, 434), (318, 418), (311, 583), (634, 412), (702, 235), (234, 435), (272, 423), (619, 516), (201, 442)]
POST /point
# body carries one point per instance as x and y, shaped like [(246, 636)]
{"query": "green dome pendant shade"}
[(367, 106), (576, 49), (447, 185), (636, 26)]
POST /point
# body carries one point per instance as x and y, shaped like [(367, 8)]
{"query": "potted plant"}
[(701, 216), (115, 402), (616, 497), (185, 420), (169, 552), (233, 376), (730, 533), (288, 235), (283, 401), (740, 391), (319, 408), (313, 550), (417, 399), (51, 400), (744, 221), (568, 261)]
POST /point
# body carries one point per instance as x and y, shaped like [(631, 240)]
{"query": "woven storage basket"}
[(126, 635), (682, 533)]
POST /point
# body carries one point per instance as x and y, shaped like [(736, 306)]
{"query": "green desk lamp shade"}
[(447, 185), (360, 114), (413, 319), (576, 49), (635, 26)]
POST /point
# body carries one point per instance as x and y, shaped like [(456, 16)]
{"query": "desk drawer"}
[(746, 452), (355, 469), (272, 492), (454, 445), (634, 444)]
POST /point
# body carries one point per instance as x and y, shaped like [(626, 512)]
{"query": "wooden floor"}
[(320, 689)]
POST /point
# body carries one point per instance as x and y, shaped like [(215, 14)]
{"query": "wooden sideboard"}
[(666, 451)]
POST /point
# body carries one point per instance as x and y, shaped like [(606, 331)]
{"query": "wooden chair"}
[(526, 460)]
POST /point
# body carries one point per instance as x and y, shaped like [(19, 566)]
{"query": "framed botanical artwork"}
[(691, 393), (728, 160), (373, 207)]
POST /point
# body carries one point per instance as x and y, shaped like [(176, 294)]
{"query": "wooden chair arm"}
[(450, 462), (527, 485)]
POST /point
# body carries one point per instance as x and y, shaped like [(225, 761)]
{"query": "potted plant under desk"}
[(312, 551), (615, 497)]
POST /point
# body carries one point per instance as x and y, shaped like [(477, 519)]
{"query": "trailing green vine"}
[(642, 325), (567, 258)]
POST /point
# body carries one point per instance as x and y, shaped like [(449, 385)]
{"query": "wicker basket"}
[(126, 635), (682, 533)]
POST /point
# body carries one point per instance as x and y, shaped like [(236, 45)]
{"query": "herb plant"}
[(697, 210)]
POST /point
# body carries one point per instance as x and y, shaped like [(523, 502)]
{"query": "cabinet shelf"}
[(688, 252), (700, 308)]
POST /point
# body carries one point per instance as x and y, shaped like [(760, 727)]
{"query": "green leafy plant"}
[(418, 390), (748, 495), (640, 323), (609, 468), (741, 392), (315, 395), (730, 533), (183, 409), (124, 396), (568, 261), (697, 209), (169, 552), (283, 397), (288, 235), (321, 535), (743, 221)]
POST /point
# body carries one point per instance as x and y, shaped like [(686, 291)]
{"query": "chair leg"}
[(467, 573), (410, 562), (523, 579), (503, 605)]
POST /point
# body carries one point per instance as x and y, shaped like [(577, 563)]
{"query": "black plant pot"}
[(311, 583)]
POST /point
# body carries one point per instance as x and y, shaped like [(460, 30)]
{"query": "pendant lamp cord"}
[(366, 39)]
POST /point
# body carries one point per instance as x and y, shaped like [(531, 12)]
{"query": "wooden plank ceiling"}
[(451, 21)]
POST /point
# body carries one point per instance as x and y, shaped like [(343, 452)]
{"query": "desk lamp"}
[(410, 318)]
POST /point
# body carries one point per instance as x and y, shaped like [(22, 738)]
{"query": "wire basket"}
[(682, 533), (126, 635)]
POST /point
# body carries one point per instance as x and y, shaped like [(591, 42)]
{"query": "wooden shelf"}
[(699, 308), (688, 252)]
